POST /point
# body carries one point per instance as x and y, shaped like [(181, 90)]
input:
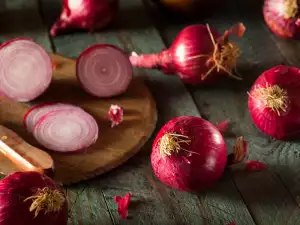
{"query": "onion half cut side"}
[(25, 70), (66, 130), (104, 71), (35, 113)]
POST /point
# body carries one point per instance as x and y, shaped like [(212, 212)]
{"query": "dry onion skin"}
[(66, 130), (30, 198), (274, 103), (104, 71), (189, 154), (25, 70)]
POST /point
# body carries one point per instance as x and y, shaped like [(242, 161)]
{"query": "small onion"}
[(282, 17), (30, 198), (189, 154), (274, 103)]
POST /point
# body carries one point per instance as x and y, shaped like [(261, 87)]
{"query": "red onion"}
[(104, 70), (66, 130), (35, 113), (26, 70), (189, 154), (282, 17), (85, 14), (187, 7), (274, 102), (30, 198), (198, 52)]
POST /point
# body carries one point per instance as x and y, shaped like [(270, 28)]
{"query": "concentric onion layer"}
[(104, 70), (66, 130), (35, 113), (25, 70)]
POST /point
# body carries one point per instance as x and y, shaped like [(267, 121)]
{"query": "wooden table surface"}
[(265, 198)]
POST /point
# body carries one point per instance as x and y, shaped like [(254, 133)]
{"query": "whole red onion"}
[(282, 17), (30, 198), (274, 102), (189, 154), (198, 52), (187, 7), (88, 15)]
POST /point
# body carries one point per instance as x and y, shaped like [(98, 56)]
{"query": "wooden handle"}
[(25, 156)]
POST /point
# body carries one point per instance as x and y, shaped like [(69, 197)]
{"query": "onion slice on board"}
[(66, 130), (35, 113), (25, 70), (104, 70)]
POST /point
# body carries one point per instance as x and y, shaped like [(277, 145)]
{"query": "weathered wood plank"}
[(21, 18), (265, 195)]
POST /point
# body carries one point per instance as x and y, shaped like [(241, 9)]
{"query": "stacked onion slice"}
[(61, 127)]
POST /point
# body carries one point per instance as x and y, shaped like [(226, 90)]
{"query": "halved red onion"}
[(35, 113), (66, 130), (104, 70), (25, 70)]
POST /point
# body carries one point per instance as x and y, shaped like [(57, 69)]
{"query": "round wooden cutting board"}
[(114, 145)]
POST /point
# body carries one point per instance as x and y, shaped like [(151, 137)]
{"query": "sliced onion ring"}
[(25, 70), (66, 130), (35, 113), (104, 70)]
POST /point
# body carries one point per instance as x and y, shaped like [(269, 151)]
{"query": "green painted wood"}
[(271, 195)]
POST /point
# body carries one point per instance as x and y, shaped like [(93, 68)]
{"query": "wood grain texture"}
[(270, 196), (114, 145)]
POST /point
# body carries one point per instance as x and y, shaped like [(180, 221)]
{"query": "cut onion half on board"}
[(35, 113), (66, 130), (25, 70), (104, 70)]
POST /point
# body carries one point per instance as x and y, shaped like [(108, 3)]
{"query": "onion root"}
[(170, 143), (46, 199), (273, 97)]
